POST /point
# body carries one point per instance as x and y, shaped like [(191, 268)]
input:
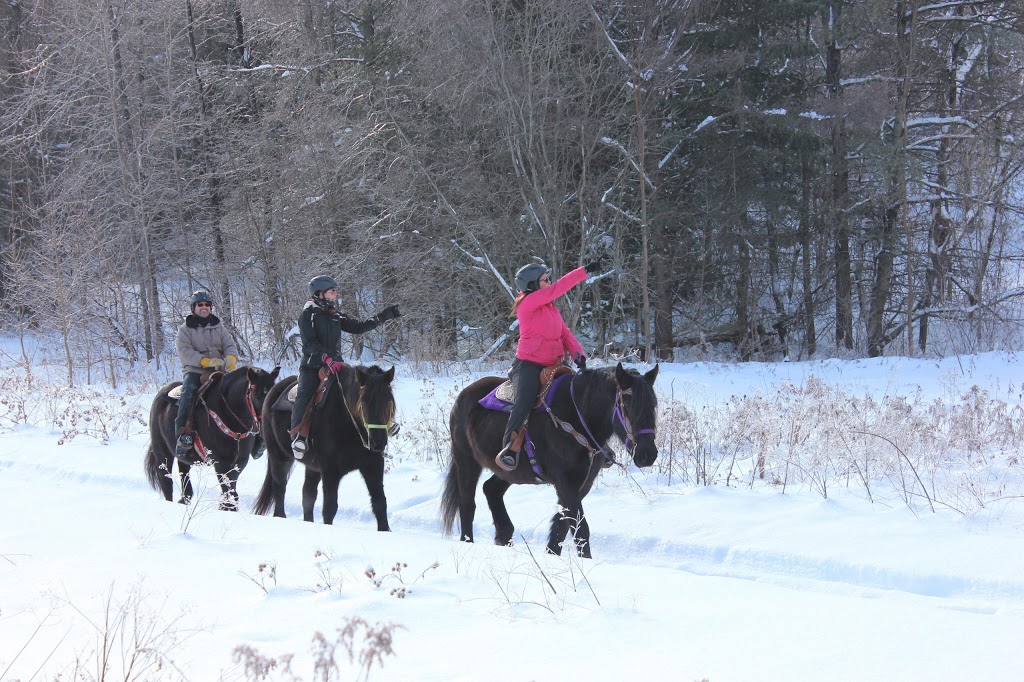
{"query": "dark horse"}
[(570, 448), (235, 400), (349, 432)]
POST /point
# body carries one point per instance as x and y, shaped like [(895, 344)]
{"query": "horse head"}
[(636, 413), (261, 381), (376, 405)]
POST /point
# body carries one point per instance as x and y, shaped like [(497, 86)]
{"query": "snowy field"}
[(884, 543)]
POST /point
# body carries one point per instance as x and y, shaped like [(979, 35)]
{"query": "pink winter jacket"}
[(543, 336)]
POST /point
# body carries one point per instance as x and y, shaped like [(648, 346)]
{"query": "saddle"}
[(302, 428), (206, 381), (501, 397)]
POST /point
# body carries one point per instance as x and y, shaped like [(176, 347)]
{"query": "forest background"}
[(770, 179)]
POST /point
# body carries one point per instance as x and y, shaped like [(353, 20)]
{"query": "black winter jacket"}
[(320, 330)]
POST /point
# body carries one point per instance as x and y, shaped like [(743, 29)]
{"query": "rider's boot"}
[(299, 447), (508, 458), (184, 446)]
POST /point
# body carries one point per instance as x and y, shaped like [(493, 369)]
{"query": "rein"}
[(366, 425), (225, 429), (592, 446)]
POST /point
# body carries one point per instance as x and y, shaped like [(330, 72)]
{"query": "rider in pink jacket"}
[(543, 336), (544, 339)]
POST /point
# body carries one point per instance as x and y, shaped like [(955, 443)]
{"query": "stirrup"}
[(507, 459), (184, 446), (299, 447)]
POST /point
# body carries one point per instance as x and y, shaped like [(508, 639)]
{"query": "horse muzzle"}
[(645, 453), (378, 442)]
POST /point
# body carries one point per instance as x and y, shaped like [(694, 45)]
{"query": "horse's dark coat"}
[(336, 443), (476, 438), (229, 456)]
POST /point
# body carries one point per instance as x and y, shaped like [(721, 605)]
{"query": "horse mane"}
[(601, 380), (231, 379), (377, 388)]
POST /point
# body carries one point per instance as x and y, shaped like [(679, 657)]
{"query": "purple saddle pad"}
[(493, 402)]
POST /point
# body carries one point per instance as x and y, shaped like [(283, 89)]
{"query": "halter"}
[(366, 425), (592, 445), (627, 426)]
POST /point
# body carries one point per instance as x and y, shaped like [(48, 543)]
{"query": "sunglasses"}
[(546, 279), (204, 305)]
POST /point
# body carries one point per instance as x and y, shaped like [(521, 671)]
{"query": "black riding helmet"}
[(528, 276), (200, 296)]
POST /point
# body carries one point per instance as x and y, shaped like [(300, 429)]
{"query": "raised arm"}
[(549, 294)]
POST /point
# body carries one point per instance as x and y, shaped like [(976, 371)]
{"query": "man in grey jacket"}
[(202, 343)]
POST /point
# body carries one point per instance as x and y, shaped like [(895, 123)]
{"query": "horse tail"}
[(152, 465), (265, 498), (450, 497)]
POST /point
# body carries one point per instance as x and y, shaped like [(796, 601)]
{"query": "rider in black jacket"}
[(320, 328)]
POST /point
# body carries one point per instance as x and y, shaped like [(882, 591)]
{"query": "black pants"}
[(309, 379), (526, 382), (189, 386)]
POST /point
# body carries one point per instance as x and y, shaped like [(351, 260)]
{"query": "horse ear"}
[(362, 375), (652, 375), (390, 374), (252, 374), (622, 376), (273, 375)]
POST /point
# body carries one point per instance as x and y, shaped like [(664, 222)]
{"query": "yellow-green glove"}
[(212, 363), (231, 363)]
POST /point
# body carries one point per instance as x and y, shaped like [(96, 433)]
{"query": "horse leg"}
[(569, 517), (468, 477), (229, 489), (373, 477), (163, 475), (331, 480), (186, 482), (166, 478), (309, 491), (278, 469), (494, 491)]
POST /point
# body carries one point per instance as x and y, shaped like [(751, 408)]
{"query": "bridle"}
[(627, 425), (365, 440), (592, 445)]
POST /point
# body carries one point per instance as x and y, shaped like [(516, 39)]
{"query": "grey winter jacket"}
[(196, 341)]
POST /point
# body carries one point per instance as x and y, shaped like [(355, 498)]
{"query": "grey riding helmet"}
[(200, 297), (528, 276), (322, 283)]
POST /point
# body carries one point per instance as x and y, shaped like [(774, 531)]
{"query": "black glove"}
[(595, 265), (389, 313), (581, 361)]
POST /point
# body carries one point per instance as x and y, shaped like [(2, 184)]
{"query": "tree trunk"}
[(806, 269), (131, 182), (840, 185), (896, 196)]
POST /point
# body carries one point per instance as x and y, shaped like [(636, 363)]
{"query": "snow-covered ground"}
[(723, 582)]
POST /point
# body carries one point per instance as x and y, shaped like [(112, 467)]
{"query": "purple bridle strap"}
[(627, 426), (576, 406), (532, 455)]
